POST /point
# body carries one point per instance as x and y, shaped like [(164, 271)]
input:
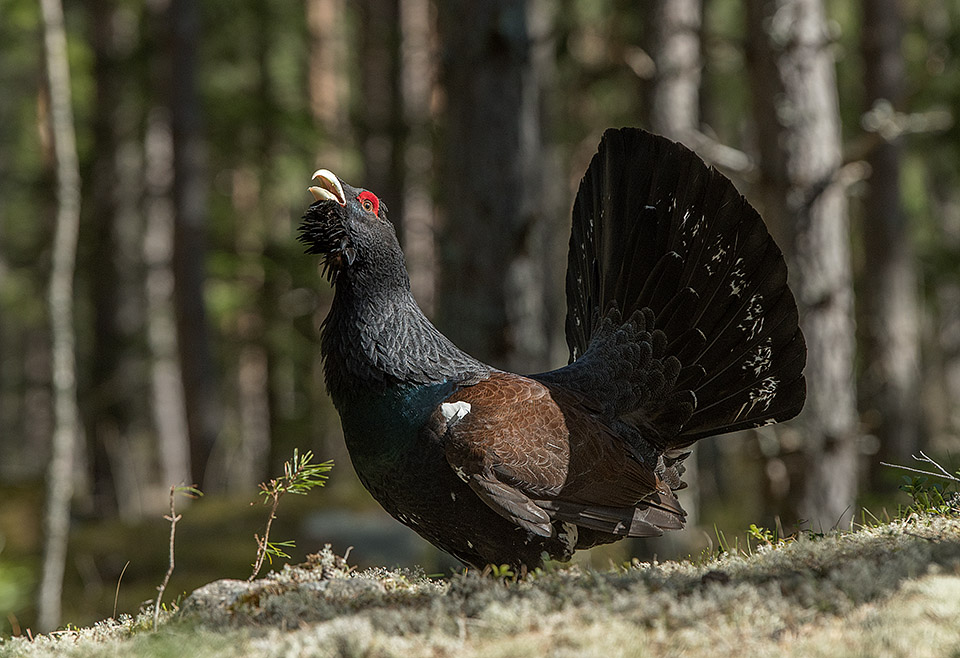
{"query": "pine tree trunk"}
[(189, 245), (380, 128), (418, 84), (676, 54), (492, 300), (892, 354), (328, 83), (249, 457), (675, 101), (329, 91), (60, 299), (167, 399), (118, 400), (798, 133)]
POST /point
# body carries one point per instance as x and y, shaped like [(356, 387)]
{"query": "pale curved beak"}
[(329, 187)]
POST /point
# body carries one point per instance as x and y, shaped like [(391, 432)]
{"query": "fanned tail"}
[(663, 237)]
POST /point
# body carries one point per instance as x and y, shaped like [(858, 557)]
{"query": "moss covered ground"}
[(887, 590)]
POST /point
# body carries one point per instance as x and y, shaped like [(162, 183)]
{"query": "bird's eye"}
[(369, 202)]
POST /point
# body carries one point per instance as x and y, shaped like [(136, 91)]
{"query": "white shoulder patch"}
[(454, 411)]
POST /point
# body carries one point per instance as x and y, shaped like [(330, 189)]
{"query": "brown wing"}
[(536, 453)]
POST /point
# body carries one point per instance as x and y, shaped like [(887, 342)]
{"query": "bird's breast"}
[(383, 427)]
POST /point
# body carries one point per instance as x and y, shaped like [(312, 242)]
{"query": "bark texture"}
[(492, 288), (676, 54), (167, 399), (798, 134)]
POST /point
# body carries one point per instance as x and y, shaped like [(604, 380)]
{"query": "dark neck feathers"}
[(376, 337)]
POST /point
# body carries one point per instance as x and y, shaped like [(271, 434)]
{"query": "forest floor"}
[(887, 590)]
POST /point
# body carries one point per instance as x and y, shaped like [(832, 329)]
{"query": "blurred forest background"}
[(159, 322)]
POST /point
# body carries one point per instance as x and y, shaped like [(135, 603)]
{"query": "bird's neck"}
[(376, 339)]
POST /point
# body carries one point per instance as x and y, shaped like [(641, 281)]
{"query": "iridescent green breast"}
[(380, 428)]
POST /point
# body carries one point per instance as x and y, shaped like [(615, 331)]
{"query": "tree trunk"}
[(329, 87), (798, 129), (328, 81), (418, 84), (117, 401), (676, 55), (60, 299), (250, 457), (380, 129), (675, 103), (167, 399), (189, 247), (397, 80), (492, 300), (891, 311)]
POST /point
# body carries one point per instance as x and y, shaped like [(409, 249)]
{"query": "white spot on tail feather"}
[(760, 396), (752, 322), (696, 226), (760, 359), (737, 279)]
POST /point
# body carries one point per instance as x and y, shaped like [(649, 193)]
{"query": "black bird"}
[(680, 325)]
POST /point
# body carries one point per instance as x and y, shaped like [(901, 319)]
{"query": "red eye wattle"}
[(369, 202)]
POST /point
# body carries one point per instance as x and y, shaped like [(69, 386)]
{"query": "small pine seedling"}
[(300, 475)]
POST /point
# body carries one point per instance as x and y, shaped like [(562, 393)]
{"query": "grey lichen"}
[(878, 591)]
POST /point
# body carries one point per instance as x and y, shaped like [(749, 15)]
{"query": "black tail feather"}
[(655, 228)]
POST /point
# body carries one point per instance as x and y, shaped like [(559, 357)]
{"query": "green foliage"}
[(933, 492), (275, 550), (190, 491), (502, 572), (930, 497), (300, 475), (763, 535), (757, 537)]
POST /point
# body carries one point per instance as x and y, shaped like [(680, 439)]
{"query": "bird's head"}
[(348, 226)]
